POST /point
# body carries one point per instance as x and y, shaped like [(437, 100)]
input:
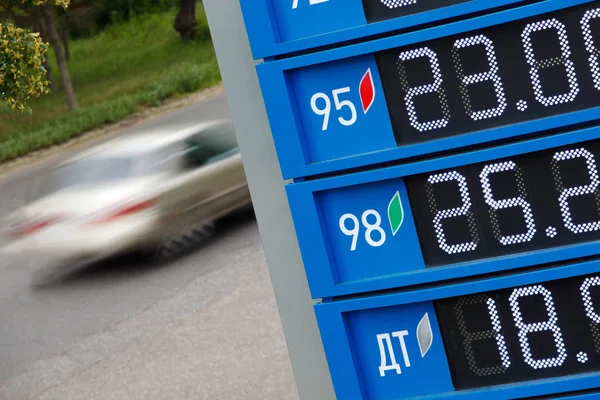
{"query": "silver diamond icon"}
[(424, 335)]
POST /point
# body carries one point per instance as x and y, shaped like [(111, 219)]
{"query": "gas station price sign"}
[(446, 193), (523, 333), (469, 214), (530, 202), (381, 10), (474, 344), (513, 73), (277, 27)]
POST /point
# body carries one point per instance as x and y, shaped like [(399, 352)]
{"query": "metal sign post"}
[(442, 159), (269, 199)]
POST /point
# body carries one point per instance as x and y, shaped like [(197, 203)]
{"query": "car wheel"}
[(172, 245)]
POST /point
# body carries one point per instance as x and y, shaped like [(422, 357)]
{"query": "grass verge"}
[(183, 79), (127, 67)]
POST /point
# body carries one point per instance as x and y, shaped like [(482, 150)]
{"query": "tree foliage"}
[(22, 54)]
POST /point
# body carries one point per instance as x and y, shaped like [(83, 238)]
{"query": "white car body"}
[(162, 196)]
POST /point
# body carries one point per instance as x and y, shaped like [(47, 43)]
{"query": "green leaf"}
[(395, 213)]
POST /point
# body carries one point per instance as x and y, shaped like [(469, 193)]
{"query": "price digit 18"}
[(352, 228)]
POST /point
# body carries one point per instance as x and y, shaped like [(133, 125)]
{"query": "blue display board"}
[(334, 110), (445, 157), (277, 27), (358, 232), (413, 343)]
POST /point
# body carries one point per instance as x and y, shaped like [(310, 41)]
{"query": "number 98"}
[(354, 230)]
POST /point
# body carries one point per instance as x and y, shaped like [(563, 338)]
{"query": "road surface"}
[(203, 326)]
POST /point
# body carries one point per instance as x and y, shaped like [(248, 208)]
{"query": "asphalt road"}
[(49, 336)]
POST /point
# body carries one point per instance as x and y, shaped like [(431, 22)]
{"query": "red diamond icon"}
[(367, 91)]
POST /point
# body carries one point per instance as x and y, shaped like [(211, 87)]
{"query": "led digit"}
[(590, 45), (550, 325), (567, 193), (490, 75), (435, 87), (590, 309), (495, 333), (503, 204), (564, 59), (441, 215), (586, 296), (398, 3)]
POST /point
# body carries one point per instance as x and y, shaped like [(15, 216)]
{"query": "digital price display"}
[(472, 344), (535, 201), (455, 260), (475, 213), (380, 10), (277, 27), (514, 72), (523, 333), (524, 71)]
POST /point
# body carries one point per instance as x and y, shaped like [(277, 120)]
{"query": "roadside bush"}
[(203, 33), (88, 17), (184, 78), (111, 11)]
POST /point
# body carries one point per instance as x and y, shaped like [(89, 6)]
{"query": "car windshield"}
[(89, 171), (212, 144)]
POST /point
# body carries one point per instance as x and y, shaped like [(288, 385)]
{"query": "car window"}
[(168, 159), (211, 145), (88, 171)]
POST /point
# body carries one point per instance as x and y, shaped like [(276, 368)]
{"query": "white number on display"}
[(564, 60), (507, 203), (491, 75), (590, 309), (525, 330), (310, 2), (354, 231), (567, 193), (398, 3), (549, 325), (441, 215), (590, 46), (325, 111), (470, 337), (374, 240), (586, 295), (536, 61), (435, 87)]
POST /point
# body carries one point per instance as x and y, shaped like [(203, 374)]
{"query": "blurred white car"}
[(151, 191)]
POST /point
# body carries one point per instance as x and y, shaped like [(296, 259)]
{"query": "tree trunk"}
[(185, 21), (61, 60), (64, 32), (64, 38), (38, 26)]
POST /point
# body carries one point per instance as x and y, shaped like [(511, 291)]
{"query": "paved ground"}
[(204, 326)]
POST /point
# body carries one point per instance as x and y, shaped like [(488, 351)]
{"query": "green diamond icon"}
[(395, 213)]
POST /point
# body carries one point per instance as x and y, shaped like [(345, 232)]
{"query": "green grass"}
[(128, 66)]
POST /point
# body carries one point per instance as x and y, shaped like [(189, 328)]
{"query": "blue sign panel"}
[(502, 208), (426, 92), (277, 27), (524, 335), (446, 194)]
